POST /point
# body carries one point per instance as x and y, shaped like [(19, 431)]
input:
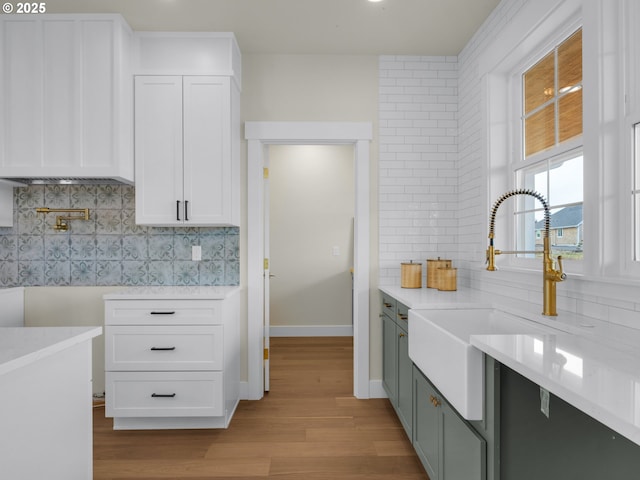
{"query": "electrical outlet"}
[(196, 253)]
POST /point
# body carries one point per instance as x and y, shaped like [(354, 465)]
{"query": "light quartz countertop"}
[(21, 346), (590, 364), (431, 298), (173, 293)]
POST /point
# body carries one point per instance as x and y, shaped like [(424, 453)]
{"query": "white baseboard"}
[(311, 331), (376, 390)]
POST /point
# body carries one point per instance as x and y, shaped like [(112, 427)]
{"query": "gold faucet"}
[(62, 224), (550, 275)]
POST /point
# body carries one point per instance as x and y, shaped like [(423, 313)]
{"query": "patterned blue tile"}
[(108, 272), (182, 245), (9, 247), (160, 272), (9, 273), (108, 222), (83, 247), (212, 247), (56, 247), (29, 197), (83, 196), (134, 247), (83, 273), (161, 247), (57, 196), (211, 272), (134, 272), (231, 273), (30, 223), (57, 272), (108, 247), (30, 247), (31, 273), (109, 197), (185, 273)]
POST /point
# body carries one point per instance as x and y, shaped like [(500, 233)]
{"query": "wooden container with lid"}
[(411, 275), (432, 270)]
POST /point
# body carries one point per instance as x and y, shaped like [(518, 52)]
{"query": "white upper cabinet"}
[(184, 168), (66, 96), (187, 131)]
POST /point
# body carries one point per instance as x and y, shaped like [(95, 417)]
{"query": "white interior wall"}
[(311, 239)]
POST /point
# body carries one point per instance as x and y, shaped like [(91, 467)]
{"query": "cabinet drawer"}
[(164, 394), (402, 316), (163, 347), (389, 306), (163, 312)]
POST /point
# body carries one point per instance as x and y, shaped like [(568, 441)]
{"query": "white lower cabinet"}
[(171, 363)]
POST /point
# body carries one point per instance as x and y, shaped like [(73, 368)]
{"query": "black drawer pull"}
[(156, 349), (163, 313), (178, 210), (163, 395)]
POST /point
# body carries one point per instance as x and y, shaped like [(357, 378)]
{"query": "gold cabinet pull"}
[(434, 401)]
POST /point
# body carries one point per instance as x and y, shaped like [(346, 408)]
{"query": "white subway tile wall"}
[(418, 199)]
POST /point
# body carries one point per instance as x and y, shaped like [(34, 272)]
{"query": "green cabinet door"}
[(463, 450), (426, 425), (390, 359), (405, 383)]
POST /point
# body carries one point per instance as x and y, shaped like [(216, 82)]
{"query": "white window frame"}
[(518, 161), (629, 220)]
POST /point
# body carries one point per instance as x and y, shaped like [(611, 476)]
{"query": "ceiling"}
[(349, 27)]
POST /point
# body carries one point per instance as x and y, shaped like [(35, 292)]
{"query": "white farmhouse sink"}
[(440, 346)]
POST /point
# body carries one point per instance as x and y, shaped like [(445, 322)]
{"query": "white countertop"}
[(601, 371), (173, 292), (427, 298), (601, 380), (21, 346)]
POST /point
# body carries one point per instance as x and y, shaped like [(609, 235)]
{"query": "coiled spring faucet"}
[(550, 275)]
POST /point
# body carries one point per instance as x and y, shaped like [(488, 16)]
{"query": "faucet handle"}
[(561, 274)]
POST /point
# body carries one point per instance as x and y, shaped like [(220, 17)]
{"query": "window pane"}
[(539, 83), (532, 178), (540, 130), (529, 233), (570, 110), (570, 62), (565, 181)]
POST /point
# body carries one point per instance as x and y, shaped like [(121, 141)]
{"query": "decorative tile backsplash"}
[(109, 248)]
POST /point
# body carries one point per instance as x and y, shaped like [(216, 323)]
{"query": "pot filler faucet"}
[(550, 275)]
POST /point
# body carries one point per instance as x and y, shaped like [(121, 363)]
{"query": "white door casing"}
[(258, 135)]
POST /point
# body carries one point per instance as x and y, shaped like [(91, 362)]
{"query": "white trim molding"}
[(259, 135)]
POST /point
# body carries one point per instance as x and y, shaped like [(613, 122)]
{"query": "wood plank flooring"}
[(309, 426)]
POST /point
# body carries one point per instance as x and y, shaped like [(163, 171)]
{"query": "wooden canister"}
[(432, 270), (447, 279), (411, 275)]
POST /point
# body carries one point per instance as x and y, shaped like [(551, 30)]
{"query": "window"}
[(551, 162)]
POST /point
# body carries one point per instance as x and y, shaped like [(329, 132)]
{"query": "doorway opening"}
[(259, 136)]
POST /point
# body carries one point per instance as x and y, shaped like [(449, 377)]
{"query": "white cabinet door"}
[(207, 162), (183, 156), (65, 94), (158, 150)]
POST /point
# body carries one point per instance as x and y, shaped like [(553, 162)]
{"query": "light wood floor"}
[(309, 427)]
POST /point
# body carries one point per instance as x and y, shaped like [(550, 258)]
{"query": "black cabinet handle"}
[(186, 210), (163, 313), (162, 349), (178, 210), (163, 395)]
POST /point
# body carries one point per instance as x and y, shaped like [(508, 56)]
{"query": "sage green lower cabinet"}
[(397, 367), (449, 448)]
